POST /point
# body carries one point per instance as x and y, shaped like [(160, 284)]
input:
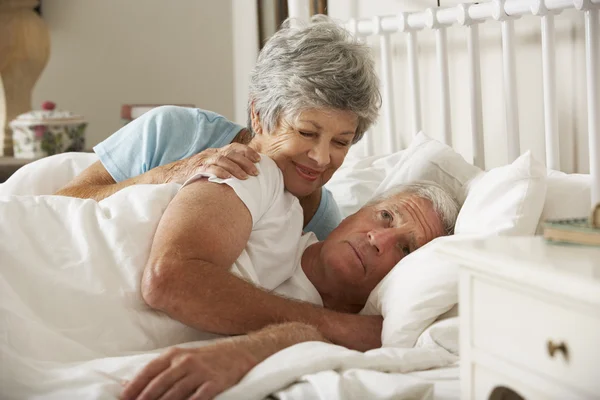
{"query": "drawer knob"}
[(558, 347)]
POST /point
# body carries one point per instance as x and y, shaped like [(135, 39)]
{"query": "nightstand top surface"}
[(532, 259)]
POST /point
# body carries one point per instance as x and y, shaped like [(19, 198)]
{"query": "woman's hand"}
[(235, 160), (198, 373)]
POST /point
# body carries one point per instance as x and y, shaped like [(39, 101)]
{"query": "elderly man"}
[(231, 225)]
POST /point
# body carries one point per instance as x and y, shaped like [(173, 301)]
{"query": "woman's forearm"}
[(97, 184)]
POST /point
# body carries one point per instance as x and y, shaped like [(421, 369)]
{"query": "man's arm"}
[(201, 234), (210, 370)]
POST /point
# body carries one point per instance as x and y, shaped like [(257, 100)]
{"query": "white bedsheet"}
[(311, 370), (73, 323)]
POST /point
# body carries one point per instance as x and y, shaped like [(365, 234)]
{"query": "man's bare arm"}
[(201, 234), (215, 368)]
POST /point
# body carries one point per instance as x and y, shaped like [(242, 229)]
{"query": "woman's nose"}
[(320, 153)]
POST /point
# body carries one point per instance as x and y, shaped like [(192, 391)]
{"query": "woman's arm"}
[(235, 159), (96, 183)]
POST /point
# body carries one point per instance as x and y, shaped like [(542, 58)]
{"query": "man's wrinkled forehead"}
[(396, 203)]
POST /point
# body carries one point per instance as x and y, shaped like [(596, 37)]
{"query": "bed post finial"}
[(352, 27), (403, 22), (499, 12), (584, 5), (431, 20), (463, 18), (377, 25), (539, 8)]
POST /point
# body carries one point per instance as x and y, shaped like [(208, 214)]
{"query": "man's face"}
[(358, 254)]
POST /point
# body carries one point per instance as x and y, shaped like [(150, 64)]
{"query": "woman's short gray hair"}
[(319, 65), (444, 204)]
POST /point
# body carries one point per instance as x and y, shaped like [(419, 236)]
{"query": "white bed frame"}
[(469, 16)]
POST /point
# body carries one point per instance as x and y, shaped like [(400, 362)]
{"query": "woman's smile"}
[(307, 173)]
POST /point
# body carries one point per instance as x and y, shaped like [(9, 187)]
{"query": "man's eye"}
[(406, 250), (387, 215)]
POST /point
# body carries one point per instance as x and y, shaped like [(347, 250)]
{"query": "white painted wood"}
[(516, 325), (510, 90), (442, 60), (475, 96), (549, 78), (504, 12), (448, 16), (388, 93), (465, 341), (485, 380), (413, 81), (592, 34), (516, 293)]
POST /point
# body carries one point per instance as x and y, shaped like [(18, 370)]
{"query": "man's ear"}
[(256, 126)]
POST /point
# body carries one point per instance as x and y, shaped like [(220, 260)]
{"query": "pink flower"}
[(39, 131)]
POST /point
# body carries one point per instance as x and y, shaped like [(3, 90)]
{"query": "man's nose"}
[(320, 153), (383, 239)]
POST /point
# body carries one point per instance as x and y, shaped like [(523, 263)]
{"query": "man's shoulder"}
[(267, 166)]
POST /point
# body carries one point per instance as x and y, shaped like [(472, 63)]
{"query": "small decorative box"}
[(45, 132)]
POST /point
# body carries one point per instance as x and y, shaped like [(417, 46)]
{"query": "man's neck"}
[(310, 263)]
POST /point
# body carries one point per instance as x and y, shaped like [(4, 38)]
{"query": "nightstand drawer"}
[(544, 338)]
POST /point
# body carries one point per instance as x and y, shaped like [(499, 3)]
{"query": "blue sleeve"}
[(161, 136), (327, 217)]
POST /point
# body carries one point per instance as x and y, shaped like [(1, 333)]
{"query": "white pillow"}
[(47, 175), (428, 159), (357, 179), (568, 196), (414, 294), (505, 200)]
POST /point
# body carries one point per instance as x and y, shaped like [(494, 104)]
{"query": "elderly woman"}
[(313, 93)]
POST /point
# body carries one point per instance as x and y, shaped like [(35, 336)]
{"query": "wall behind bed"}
[(106, 53), (571, 83)]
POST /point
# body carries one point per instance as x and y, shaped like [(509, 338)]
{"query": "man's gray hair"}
[(444, 204), (319, 65)]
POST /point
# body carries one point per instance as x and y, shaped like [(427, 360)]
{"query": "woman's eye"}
[(307, 134), (341, 143)]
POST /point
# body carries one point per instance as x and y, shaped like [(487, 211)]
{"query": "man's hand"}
[(356, 332), (199, 373), (235, 160), (205, 372)]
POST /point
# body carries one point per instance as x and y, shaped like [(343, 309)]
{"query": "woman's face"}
[(310, 148)]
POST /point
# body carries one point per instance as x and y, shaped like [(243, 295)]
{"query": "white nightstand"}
[(529, 318)]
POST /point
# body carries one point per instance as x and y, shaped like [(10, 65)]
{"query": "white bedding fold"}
[(73, 323)]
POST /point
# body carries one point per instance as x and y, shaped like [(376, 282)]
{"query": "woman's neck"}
[(244, 137), (310, 205)]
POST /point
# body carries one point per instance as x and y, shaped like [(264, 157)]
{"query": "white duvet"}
[(72, 321)]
